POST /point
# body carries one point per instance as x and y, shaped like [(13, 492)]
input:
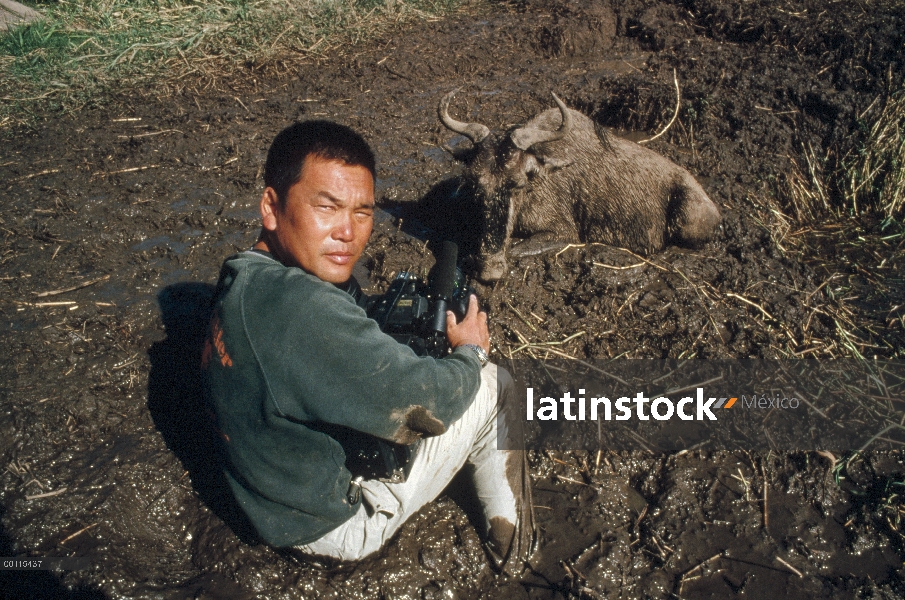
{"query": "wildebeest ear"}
[(461, 153), (530, 165)]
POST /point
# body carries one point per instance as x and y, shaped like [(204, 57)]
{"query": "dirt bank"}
[(114, 224)]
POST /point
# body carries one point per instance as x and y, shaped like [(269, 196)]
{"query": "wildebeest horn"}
[(473, 131), (524, 138)]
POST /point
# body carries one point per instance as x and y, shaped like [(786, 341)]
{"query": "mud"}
[(122, 215)]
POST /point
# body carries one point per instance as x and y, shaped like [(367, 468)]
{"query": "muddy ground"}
[(127, 212)]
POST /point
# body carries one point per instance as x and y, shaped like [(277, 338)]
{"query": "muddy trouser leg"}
[(503, 483), (501, 480)]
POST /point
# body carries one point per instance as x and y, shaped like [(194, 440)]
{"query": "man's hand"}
[(472, 329)]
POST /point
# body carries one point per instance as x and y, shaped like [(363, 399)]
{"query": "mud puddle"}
[(101, 443)]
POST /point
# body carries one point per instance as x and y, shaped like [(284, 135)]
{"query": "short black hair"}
[(326, 139)]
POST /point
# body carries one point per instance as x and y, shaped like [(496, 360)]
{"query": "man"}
[(290, 357)]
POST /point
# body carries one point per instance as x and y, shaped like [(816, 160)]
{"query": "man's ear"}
[(270, 204)]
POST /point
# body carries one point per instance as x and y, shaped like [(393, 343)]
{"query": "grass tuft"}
[(867, 177), (875, 173), (82, 51)]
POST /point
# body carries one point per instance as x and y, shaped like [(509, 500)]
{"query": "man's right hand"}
[(472, 329)]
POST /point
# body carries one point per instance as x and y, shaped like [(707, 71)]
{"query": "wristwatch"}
[(479, 352)]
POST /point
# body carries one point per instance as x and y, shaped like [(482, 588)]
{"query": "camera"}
[(413, 312)]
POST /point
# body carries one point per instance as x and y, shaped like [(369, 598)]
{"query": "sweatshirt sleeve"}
[(324, 360)]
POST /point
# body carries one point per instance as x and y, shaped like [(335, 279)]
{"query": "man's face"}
[(326, 220)]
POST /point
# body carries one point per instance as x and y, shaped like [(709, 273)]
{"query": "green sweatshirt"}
[(287, 353)]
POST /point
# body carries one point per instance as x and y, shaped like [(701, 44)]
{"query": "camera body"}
[(413, 312)]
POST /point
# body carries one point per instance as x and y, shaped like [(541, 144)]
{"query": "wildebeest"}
[(563, 177)]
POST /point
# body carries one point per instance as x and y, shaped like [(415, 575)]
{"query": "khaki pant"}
[(473, 439)]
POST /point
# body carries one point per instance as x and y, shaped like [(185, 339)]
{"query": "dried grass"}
[(867, 177), (875, 174)]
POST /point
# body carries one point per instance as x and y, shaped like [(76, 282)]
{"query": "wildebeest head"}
[(500, 166)]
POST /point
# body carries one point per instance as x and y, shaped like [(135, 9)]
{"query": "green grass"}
[(81, 51)]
